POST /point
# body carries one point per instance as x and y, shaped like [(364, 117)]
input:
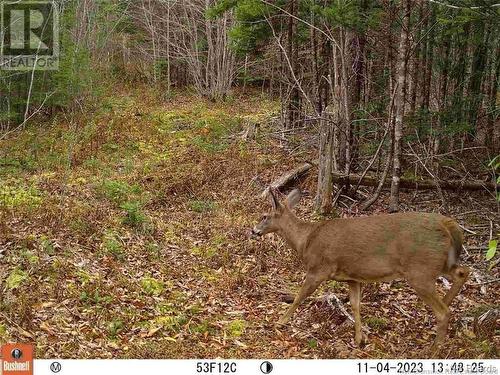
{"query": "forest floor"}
[(126, 237)]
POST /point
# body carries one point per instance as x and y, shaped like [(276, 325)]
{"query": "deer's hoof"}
[(361, 340), (287, 298)]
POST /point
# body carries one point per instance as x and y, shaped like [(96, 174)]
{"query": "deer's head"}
[(274, 220)]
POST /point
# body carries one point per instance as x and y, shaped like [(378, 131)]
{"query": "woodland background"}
[(128, 177)]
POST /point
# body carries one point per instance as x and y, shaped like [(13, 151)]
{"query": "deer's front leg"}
[(310, 284), (355, 299)]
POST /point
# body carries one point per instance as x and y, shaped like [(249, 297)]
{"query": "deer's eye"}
[(265, 217)]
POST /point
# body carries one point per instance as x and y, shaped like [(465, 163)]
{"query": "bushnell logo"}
[(16, 359), (29, 32)]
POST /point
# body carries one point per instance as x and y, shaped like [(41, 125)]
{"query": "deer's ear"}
[(274, 201), (293, 198)]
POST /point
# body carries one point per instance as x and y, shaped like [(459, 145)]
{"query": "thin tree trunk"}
[(429, 65), (329, 121), (358, 53), (417, 63), (399, 104), (491, 138), (294, 96)]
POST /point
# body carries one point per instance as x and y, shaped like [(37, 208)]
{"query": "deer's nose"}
[(255, 233)]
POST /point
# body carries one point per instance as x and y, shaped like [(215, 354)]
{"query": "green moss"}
[(113, 246), (335, 285), (16, 277), (96, 298), (115, 327), (117, 191), (134, 216), (203, 327), (12, 196), (171, 322), (152, 286), (209, 275), (167, 122), (219, 240), (236, 328), (211, 131), (377, 323), (30, 257), (201, 206), (84, 277), (313, 343), (205, 252), (46, 245), (94, 164)]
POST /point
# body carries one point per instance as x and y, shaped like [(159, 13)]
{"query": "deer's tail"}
[(457, 239)]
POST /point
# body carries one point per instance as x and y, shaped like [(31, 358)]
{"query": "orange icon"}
[(16, 359)]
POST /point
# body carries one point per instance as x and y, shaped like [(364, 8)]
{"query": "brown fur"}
[(414, 246)]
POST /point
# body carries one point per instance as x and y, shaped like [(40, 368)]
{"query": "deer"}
[(415, 246)]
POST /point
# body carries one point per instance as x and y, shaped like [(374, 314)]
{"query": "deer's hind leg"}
[(458, 275), (427, 292)]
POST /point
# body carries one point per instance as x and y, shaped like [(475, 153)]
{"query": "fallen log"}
[(288, 177), (417, 184), (296, 173)]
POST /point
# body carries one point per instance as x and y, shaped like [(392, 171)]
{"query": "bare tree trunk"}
[(428, 66), (293, 107), (417, 63), (346, 107), (492, 141), (358, 53), (399, 104), (316, 79), (329, 121), (169, 83)]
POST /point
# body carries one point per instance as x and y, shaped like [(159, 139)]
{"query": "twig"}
[(459, 7), (486, 282), (466, 251), (405, 313), (331, 296), (466, 213), (477, 248), (337, 196), (347, 197), (467, 230)]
